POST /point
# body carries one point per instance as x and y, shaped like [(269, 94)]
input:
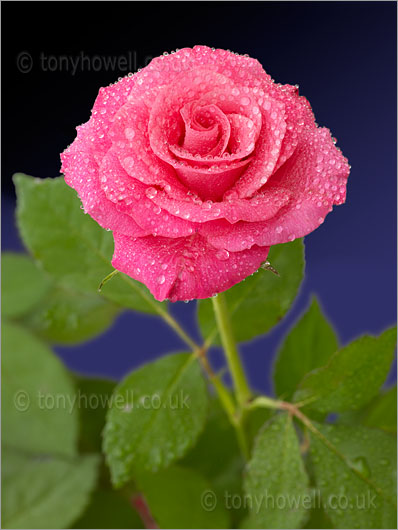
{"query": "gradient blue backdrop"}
[(343, 56)]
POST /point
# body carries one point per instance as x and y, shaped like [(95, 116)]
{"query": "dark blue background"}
[(343, 56)]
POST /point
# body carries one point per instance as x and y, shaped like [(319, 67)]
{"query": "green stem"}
[(222, 392), (242, 389), (178, 329)]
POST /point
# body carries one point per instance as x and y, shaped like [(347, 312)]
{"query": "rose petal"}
[(212, 181), (81, 173), (134, 198), (162, 71), (258, 208), (183, 269), (107, 104), (130, 142), (268, 147), (298, 115), (211, 140), (316, 176)]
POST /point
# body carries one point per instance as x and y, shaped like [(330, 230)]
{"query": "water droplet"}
[(361, 465), (129, 133), (151, 192), (161, 279), (222, 254)]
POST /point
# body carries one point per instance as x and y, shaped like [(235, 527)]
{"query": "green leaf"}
[(308, 345), (108, 509), (216, 452), (45, 484), (37, 397), (181, 498), (157, 413), (355, 470), (66, 316), (318, 519), (352, 376), (43, 491), (382, 412), (23, 284), (95, 396), (217, 456), (276, 481), (254, 420), (261, 301), (69, 244)]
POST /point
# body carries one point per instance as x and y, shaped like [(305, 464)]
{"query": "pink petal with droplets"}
[(183, 269), (262, 206), (316, 175), (162, 71), (81, 173), (130, 142), (132, 197), (202, 136), (268, 147)]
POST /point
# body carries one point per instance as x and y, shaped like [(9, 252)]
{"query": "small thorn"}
[(268, 267)]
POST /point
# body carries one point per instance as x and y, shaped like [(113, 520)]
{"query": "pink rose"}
[(198, 163)]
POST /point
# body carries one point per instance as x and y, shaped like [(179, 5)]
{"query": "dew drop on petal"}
[(151, 192), (222, 254)]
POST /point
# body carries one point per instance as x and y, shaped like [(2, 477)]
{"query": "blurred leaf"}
[(45, 484), (156, 415), (108, 509), (355, 469), (53, 311), (181, 498), (276, 481), (318, 519), (94, 396), (66, 316), (380, 413), (254, 420), (37, 398), (261, 301), (217, 456), (43, 491), (352, 376), (69, 244), (23, 284), (308, 345)]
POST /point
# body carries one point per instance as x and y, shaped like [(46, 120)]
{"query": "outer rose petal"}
[(183, 269), (108, 102), (134, 198), (298, 115), (130, 142), (316, 176), (81, 173), (163, 70), (261, 207)]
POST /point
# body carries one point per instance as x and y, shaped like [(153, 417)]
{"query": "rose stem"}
[(242, 389)]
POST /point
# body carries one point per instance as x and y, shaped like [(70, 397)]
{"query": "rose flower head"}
[(199, 163)]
